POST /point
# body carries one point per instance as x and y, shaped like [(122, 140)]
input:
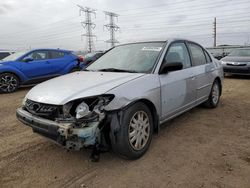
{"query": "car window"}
[(240, 52), (208, 58), (198, 55), (56, 54), (178, 52), (99, 55), (38, 55)]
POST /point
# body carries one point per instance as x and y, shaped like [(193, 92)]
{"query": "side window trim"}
[(190, 42), (55, 51), (183, 42), (45, 51), (26, 55), (189, 54), (207, 56), (169, 46)]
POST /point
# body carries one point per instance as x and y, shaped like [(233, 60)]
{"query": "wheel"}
[(8, 83), (214, 96), (135, 134)]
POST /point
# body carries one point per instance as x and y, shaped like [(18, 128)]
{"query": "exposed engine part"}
[(83, 131)]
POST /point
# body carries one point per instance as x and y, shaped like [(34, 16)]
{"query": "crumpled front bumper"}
[(63, 133), (39, 125)]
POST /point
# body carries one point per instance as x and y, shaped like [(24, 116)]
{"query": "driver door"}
[(39, 66), (178, 91)]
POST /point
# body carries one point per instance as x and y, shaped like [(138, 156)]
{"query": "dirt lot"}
[(202, 148)]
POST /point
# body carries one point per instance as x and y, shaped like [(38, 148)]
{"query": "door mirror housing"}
[(171, 66), (28, 59)]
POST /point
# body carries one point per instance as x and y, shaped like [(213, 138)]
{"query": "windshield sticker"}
[(156, 49)]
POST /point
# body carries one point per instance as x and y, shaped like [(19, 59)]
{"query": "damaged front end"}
[(75, 125)]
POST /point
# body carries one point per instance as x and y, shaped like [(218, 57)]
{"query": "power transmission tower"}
[(88, 25), (112, 27), (214, 34)]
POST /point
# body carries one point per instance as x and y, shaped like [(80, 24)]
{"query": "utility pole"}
[(214, 34), (89, 26), (112, 27)]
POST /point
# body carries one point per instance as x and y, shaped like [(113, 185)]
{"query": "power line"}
[(88, 25), (186, 8), (112, 27)]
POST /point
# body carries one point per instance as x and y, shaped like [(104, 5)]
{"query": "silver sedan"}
[(237, 62), (123, 97)]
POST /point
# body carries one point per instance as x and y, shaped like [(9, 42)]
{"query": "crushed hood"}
[(77, 85)]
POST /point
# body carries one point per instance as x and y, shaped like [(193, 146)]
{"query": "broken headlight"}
[(87, 107), (82, 110)]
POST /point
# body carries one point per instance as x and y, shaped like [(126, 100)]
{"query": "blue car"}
[(26, 68)]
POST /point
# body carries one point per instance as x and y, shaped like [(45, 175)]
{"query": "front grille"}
[(236, 70), (47, 111)]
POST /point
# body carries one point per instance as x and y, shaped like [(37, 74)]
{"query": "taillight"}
[(80, 58)]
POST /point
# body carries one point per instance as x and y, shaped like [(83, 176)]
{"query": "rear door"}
[(59, 61), (178, 88), (203, 67), (39, 67)]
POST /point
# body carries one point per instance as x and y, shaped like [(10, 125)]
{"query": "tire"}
[(214, 96), (134, 147), (8, 83)]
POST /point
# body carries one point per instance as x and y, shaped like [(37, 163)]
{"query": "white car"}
[(123, 97)]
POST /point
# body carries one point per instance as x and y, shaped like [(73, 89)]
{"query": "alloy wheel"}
[(8, 83), (139, 130), (215, 93)]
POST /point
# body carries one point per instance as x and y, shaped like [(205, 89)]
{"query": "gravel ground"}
[(201, 148)]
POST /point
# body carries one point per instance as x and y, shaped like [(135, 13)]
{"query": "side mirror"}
[(171, 66), (28, 59)]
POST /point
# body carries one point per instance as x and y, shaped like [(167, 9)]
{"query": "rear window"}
[(56, 54)]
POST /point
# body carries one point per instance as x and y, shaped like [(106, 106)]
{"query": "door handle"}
[(193, 77)]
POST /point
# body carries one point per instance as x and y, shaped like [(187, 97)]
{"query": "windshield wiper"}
[(116, 70)]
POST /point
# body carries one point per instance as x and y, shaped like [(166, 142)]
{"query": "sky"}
[(29, 24)]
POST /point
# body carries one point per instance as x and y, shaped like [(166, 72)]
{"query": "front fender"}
[(144, 88), (10, 69)]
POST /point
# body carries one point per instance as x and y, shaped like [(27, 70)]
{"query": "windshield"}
[(240, 52), (14, 56), (139, 57)]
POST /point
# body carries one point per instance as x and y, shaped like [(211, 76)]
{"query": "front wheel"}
[(135, 134), (214, 96), (8, 83)]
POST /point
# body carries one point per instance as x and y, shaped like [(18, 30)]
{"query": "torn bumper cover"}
[(65, 134)]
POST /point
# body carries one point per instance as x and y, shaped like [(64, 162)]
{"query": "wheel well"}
[(14, 74), (155, 116), (219, 81)]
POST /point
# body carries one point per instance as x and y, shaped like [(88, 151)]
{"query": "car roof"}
[(166, 40), (50, 49)]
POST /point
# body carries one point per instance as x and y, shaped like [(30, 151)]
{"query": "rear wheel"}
[(8, 83), (214, 96), (135, 134)]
